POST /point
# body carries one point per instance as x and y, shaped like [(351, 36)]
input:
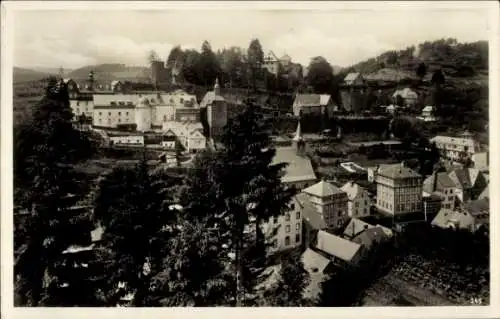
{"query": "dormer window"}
[(182, 100), (129, 103), (121, 103), (112, 103)]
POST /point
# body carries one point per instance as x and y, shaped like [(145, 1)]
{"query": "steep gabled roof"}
[(299, 168), (441, 180), (313, 260), (337, 246), (323, 189), (355, 227), (447, 218), (371, 236)]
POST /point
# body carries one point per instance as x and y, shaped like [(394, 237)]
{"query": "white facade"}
[(188, 134), (330, 202), (285, 232), (127, 140), (359, 200), (454, 147), (79, 107), (143, 115), (112, 117), (144, 110)]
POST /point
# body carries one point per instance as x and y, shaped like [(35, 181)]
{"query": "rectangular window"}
[(297, 215), (109, 113), (297, 238), (287, 228), (292, 206), (77, 103), (100, 113), (297, 226), (119, 113), (287, 217), (164, 118), (287, 240), (275, 219)]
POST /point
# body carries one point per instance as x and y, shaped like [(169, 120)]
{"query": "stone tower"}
[(143, 115)]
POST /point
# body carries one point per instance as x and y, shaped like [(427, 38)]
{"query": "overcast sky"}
[(74, 39)]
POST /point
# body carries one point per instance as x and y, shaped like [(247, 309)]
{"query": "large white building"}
[(399, 190), (330, 202), (456, 147), (146, 111)]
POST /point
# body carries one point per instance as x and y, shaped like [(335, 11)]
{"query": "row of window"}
[(297, 227), (287, 217), (287, 240), (356, 203), (85, 103)]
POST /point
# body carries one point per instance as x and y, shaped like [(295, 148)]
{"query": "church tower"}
[(216, 112), (217, 87), (298, 141)]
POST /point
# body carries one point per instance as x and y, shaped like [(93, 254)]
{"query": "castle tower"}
[(298, 141), (143, 115), (217, 112)]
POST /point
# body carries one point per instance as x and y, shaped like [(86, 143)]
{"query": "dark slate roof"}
[(478, 206), (355, 227), (397, 171), (443, 181), (370, 236), (309, 213)]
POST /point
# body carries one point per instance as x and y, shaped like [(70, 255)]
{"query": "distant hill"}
[(457, 60), (110, 72), (28, 75)]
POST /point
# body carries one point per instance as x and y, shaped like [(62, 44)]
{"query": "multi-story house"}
[(316, 104), (469, 183), (441, 185), (285, 231), (188, 134), (407, 96), (399, 190), (456, 148), (330, 202), (359, 200), (352, 92)]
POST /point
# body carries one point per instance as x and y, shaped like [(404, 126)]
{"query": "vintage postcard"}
[(334, 157)]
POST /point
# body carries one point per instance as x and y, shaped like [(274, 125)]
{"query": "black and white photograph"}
[(248, 155)]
